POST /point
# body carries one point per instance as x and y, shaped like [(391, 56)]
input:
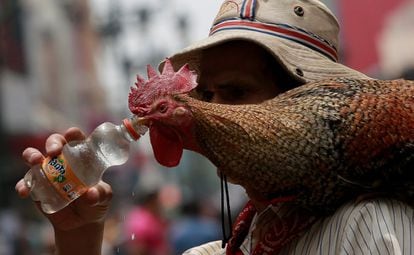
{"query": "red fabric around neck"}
[(277, 235)]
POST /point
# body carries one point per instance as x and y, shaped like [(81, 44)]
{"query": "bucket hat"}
[(302, 35)]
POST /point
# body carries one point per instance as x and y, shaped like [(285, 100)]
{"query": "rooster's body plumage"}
[(323, 142)]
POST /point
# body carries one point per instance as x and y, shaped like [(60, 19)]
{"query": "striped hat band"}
[(285, 31)]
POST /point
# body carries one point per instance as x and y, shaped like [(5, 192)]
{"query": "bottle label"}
[(62, 178)]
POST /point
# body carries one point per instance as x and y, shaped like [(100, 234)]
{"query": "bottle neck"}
[(133, 129)]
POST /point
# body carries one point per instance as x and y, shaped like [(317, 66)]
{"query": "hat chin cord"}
[(224, 195)]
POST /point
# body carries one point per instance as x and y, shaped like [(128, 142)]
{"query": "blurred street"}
[(71, 63)]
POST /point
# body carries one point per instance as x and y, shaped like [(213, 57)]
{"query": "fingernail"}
[(53, 147), (32, 157)]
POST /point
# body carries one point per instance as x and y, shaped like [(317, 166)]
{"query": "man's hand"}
[(83, 219)]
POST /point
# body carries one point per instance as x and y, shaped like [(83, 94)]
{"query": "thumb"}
[(22, 190)]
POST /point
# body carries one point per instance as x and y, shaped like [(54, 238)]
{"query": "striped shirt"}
[(378, 226)]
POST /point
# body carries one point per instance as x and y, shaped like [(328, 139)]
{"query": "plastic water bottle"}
[(60, 180)]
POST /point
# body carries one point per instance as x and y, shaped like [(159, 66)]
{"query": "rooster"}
[(322, 143)]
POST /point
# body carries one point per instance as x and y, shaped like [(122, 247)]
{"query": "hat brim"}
[(291, 55)]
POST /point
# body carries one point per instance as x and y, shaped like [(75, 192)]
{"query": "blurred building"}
[(49, 79), (377, 35), (71, 63), (396, 44), (48, 83)]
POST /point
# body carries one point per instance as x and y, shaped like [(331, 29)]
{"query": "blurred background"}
[(70, 63)]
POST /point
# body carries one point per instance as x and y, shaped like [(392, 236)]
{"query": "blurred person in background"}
[(198, 223), (145, 226), (248, 62)]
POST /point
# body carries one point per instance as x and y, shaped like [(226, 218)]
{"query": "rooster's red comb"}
[(167, 82)]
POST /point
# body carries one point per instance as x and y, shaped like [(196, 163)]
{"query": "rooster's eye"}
[(162, 108)]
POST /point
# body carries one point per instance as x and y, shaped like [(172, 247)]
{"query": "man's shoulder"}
[(371, 207), (371, 212), (360, 226), (211, 248)]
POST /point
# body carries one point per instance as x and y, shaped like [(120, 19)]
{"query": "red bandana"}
[(282, 230)]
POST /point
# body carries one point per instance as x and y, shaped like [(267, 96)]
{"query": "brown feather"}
[(324, 142)]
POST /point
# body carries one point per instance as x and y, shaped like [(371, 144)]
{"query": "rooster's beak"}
[(142, 121)]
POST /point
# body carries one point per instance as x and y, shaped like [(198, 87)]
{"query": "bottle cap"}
[(128, 125)]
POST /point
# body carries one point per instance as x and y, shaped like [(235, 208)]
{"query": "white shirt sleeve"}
[(211, 248), (379, 226)]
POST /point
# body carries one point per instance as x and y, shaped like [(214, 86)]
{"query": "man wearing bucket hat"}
[(257, 49), (301, 37)]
